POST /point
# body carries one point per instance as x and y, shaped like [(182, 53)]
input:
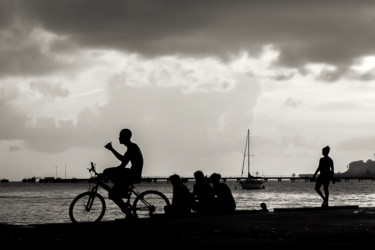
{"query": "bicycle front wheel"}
[(87, 207), (150, 204)]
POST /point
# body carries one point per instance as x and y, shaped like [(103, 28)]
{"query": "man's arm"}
[(123, 158), (317, 170)]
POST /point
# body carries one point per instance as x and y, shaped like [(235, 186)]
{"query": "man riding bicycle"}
[(121, 176)]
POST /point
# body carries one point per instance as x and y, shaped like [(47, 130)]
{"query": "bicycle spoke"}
[(150, 203), (87, 207), (142, 208)]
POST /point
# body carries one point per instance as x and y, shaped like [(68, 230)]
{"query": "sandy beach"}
[(306, 228)]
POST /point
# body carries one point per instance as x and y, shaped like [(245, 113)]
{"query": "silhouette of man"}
[(326, 170), (121, 176), (224, 201), (203, 194), (182, 199)]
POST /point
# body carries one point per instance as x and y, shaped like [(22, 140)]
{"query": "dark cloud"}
[(26, 50), (334, 32), (7, 11), (279, 76)]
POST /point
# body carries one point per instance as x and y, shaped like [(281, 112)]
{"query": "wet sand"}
[(303, 228)]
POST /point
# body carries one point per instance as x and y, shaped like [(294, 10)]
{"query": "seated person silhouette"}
[(182, 199), (263, 207), (203, 194), (223, 201), (123, 178)]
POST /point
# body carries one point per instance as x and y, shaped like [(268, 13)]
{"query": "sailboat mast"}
[(244, 157), (248, 152)]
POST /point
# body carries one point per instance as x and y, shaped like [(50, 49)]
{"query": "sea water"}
[(37, 203)]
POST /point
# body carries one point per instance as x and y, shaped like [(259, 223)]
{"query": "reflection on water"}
[(35, 203)]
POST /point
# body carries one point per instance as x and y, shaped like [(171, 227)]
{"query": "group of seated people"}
[(205, 198)]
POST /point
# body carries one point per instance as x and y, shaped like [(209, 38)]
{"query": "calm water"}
[(36, 203)]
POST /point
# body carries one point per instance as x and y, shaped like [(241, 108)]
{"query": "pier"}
[(155, 179), (265, 178)]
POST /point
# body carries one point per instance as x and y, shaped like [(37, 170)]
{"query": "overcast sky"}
[(188, 78)]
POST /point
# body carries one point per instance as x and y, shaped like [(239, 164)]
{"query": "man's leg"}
[(326, 191), (116, 198), (317, 189)]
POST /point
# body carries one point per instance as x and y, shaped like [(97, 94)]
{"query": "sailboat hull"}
[(252, 184)]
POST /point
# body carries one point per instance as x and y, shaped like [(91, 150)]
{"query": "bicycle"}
[(90, 206)]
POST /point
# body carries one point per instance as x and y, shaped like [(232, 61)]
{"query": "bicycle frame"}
[(100, 183), (105, 186), (144, 203), (132, 190)]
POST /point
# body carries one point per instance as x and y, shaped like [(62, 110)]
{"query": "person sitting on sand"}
[(182, 198), (326, 170), (263, 207), (223, 201), (203, 194)]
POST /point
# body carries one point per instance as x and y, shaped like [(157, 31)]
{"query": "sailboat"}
[(250, 182)]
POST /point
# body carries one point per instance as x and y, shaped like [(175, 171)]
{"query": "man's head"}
[(175, 179), (263, 206), (215, 178), (199, 176), (325, 151), (125, 136)]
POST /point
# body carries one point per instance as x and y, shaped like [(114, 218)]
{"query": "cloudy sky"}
[(188, 78)]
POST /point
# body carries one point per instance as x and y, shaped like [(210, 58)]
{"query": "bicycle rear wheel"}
[(87, 207), (150, 204)]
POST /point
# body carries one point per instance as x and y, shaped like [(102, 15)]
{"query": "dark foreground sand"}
[(335, 228)]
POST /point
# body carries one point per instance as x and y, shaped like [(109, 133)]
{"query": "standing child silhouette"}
[(326, 170)]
